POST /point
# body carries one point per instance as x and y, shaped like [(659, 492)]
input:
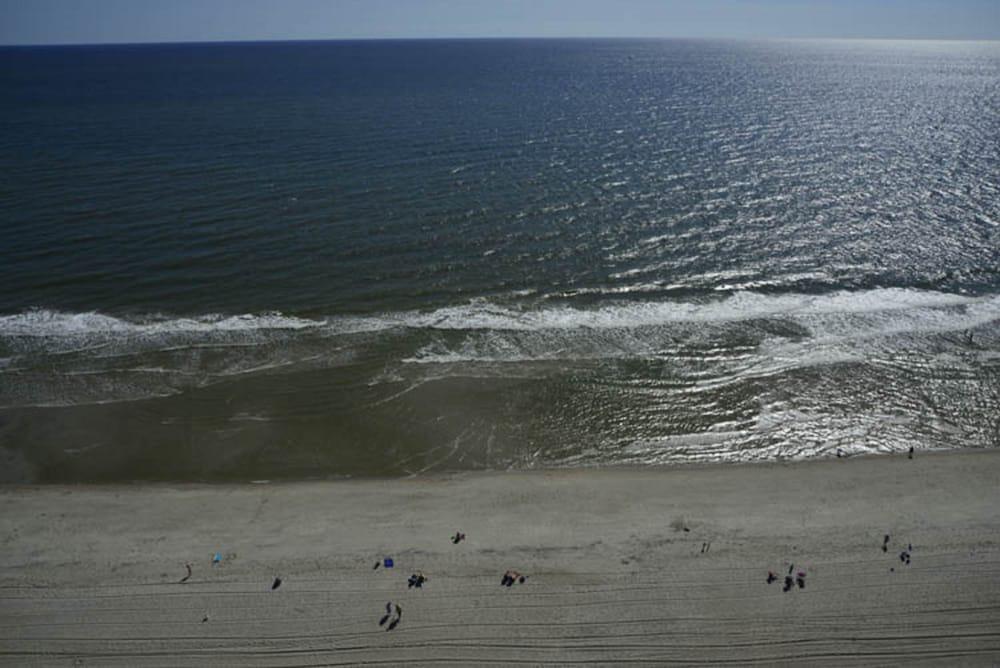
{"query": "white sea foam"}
[(833, 324), (936, 310), (738, 307), (44, 323), (95, 358)]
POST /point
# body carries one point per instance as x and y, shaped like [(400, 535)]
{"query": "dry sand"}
[(90, 573)]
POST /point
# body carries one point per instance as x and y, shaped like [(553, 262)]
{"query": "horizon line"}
[(498, 38)]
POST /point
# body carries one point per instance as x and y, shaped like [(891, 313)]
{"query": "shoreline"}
[(458, 474), (616, 559)]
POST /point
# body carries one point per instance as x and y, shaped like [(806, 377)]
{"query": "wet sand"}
[(89, 575)]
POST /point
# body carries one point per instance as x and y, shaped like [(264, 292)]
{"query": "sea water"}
[(316, 259)]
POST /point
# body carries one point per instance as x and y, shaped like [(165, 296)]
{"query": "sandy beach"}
[(658, 566)]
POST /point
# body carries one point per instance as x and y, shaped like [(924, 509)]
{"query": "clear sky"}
[(100, 21)]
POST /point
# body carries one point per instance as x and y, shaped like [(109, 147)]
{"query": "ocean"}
[(318, 260)]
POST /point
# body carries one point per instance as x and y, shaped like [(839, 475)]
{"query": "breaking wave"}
[(55, 358), (481, 314)]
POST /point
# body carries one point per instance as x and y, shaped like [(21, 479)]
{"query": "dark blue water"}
[(312, 259)]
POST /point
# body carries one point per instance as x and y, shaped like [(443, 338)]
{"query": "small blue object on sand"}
[(387, 562), (217, 559)]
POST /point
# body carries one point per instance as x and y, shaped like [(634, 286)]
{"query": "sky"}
[(130, 21)]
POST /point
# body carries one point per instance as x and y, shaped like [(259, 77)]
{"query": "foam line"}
[(484, 315)]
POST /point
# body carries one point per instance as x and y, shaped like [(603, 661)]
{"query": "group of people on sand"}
[(418, 579), (904, 556), (790, 582), (800, 577), (510, 577)]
